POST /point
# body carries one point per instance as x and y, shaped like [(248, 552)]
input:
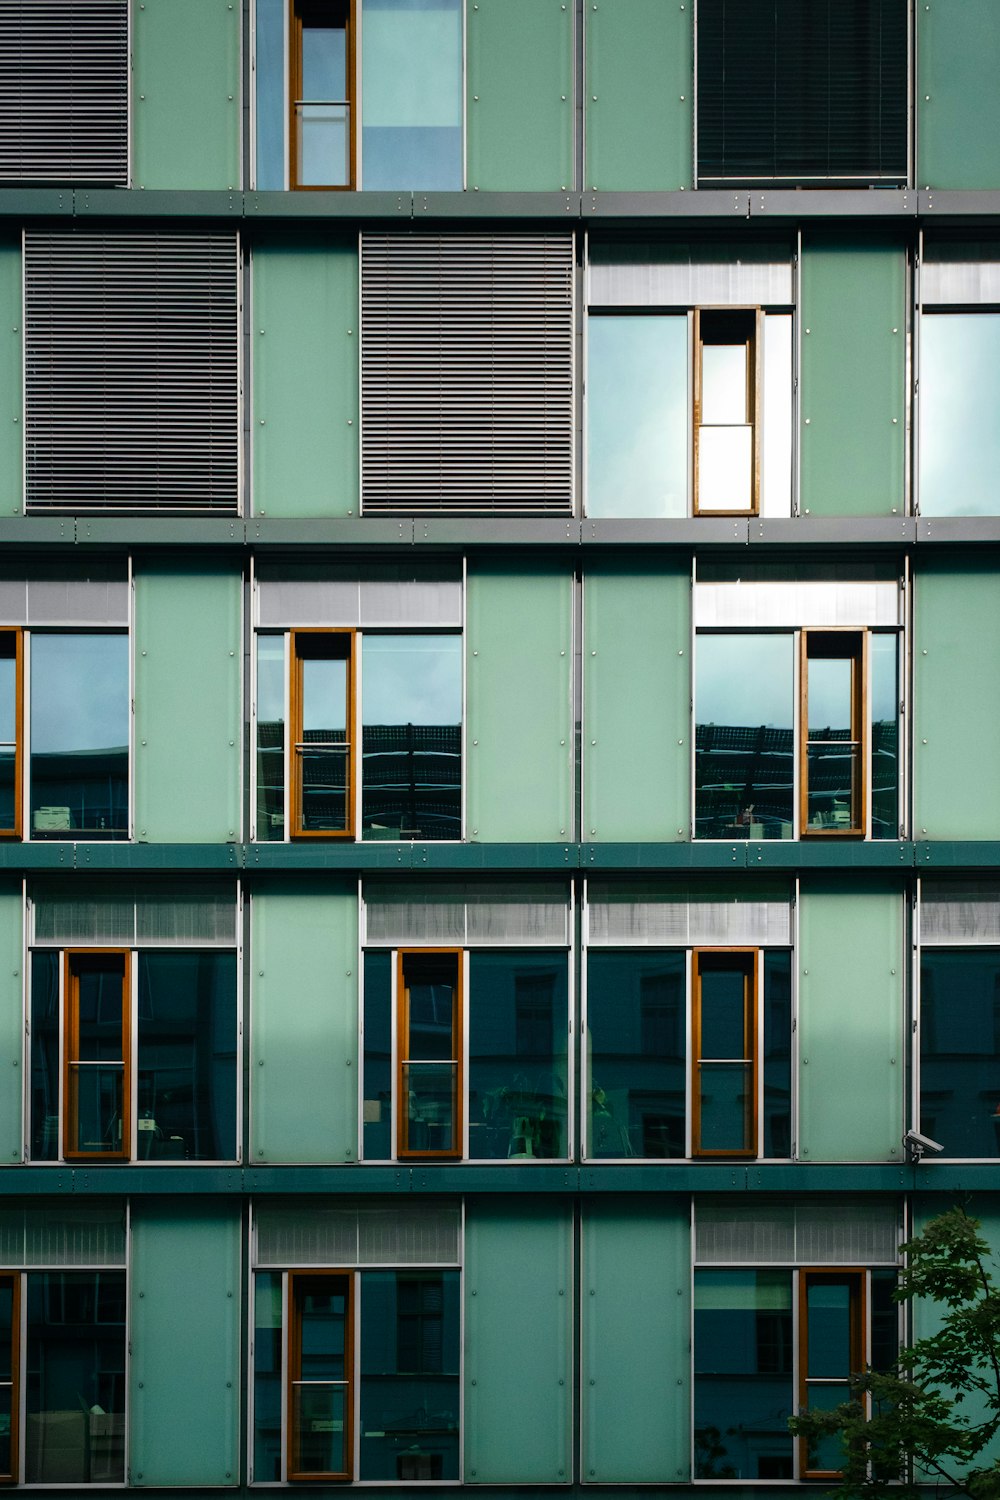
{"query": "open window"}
[(322, 89), (10, 1404), (833, 777), (727, 385), (11, 732), (323, 737), (320, 1416), (832, 1347), (724, 1054), (97, 1075), (429, 1033)]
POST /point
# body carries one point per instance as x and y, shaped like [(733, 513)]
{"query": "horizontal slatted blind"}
[(467, 373), (353, 1234), (131, 372), (805, 1233), (795, 91), (64, 90)]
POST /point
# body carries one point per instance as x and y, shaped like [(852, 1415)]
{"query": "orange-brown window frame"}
[(295, 92), (403, 1148), (297, 1282), (753, 402), (733, 959), (73, 960), (296, 830), (17, 636), (828, 639), (858, 1282), (15, 1278)]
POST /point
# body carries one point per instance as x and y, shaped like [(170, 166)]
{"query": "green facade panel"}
[(635, 1361), (853, 376), (956, 701), (304, 1025), (519, 736), (188, 689), (11, 1019), (636, 651), (11, 379), (184, 1374), (305, 379), (186, 113), (518, 1343), (851, 1023), (958, 103), (519, 95), (638, 96)]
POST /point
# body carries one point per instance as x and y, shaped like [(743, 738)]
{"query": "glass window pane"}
[(322, 145), (744, 752), (324, 63), (637, 416), (8, 689), (44, 1056), (726, 1105), (377, 1105), (637, 1058), (269, 81), (319, 1418), (723, 383), (725, 468), (324, 699), (270, 737), (828, 1305), (777, 1122), (723, 1013), (830, 683), (267, 1378), (776, 417), (411, 695), (959, 448), (960, 1051), (411, 126), (322, 1306), (827, 1453), (79, 736), (882, 664)]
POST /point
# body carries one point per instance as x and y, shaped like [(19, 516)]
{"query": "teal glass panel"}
[(270, 737), (637, 1024), (959, 442), (409, 1406), (637, 416), (431, 1104), (6, 1402), (411, 122), (960, 1050), (517, 1049), (8, 730), (828, 1308), (267, 1377), (377, 1105), (44, 1096), (6, 1327), (430, 1067), (75, 1378), (776, 1136), (826, 1454), (744, 737), (833, 758), (411, 776), (269, 78), (883, 653), (884, 1320), (322, 1307), (726, 1104), (743, 1390), (79, 736), (319, 1419), (96, 1070)]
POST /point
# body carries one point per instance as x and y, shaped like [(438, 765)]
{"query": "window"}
[(11, 732), (321, 127), (801, 92), (320, 1375), (959, 1026), (322, 732), (833, 679), (429, 1031), (724, 1057), (726, 411)]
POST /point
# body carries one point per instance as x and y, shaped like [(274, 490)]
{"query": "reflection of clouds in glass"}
[(829, 693), (411, 679), (960, 414), (744, 679), (637, 404), (270, 679), (79, 692), (8, 709), (882, 665)]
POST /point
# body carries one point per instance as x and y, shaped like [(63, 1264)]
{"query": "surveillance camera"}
[(917, 1145)]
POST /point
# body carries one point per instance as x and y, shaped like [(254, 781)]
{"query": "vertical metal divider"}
[(797, 378), (245, 1340), (794, 1048), (246, 987), (25, 1019), (360, 971)]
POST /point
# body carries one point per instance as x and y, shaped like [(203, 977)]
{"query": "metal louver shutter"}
[(131, 372), (801, 91), (64, 90), (467, 374)]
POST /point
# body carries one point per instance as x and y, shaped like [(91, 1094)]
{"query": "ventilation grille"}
[(151, 919), (467, 374), (806, 1234), (131, 372), (93, 1236), (625, 915), (426, 1234), (465, 916), (64, 91), (967, 915)]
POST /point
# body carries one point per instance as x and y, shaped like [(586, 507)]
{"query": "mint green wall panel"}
[(305, 379), (956, 701), (11, 382), (635, 1358), (637, 700), (638, 100), (304, 1024), (11, 1018), (186, 118), (519, 95), (519, 738), (851, 1021), (184, 1374), (188, 685), (958, 102), (853, 376), (518, 1343)]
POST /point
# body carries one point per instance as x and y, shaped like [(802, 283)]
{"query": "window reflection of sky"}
[(637, 404), (959, 404), (745, 679), (412, 679), (79, 692)]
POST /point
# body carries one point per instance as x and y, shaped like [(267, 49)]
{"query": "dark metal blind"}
[(467, 373), (131, 372), (801, 91), (64, 90)]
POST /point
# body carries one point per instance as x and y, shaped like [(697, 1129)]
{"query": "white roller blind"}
[(665, 274), (628, 914), (373, 594)]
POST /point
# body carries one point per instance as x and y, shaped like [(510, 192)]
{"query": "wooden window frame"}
[(294, 773), (15, 1278), (857, 1278), (859, 725), (71, 1046), (754, 383), (735, 958), (301, 1279), (295, 11), (403, 1150), (16, 832)]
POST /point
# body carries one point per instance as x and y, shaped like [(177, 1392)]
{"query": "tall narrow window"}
[(724, 1064), (726, 416), (10, 733), (832, 1348), (10, 1329), (96, 1080), (321, 89), (323, 733), (833, 777), (429, 1042), (321, 1365)]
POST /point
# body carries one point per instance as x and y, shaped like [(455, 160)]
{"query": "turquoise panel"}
[(639, 96), (958, 102), (304, 1025), (635, 1356), (519, 734), (851, 1021), (11, 1019), (519, 95), (184, 1374), (518, 1343), (186, 93), (637, 700), (11, 383), (188, 682), (305, 379), (853, 381), (956, 701)]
